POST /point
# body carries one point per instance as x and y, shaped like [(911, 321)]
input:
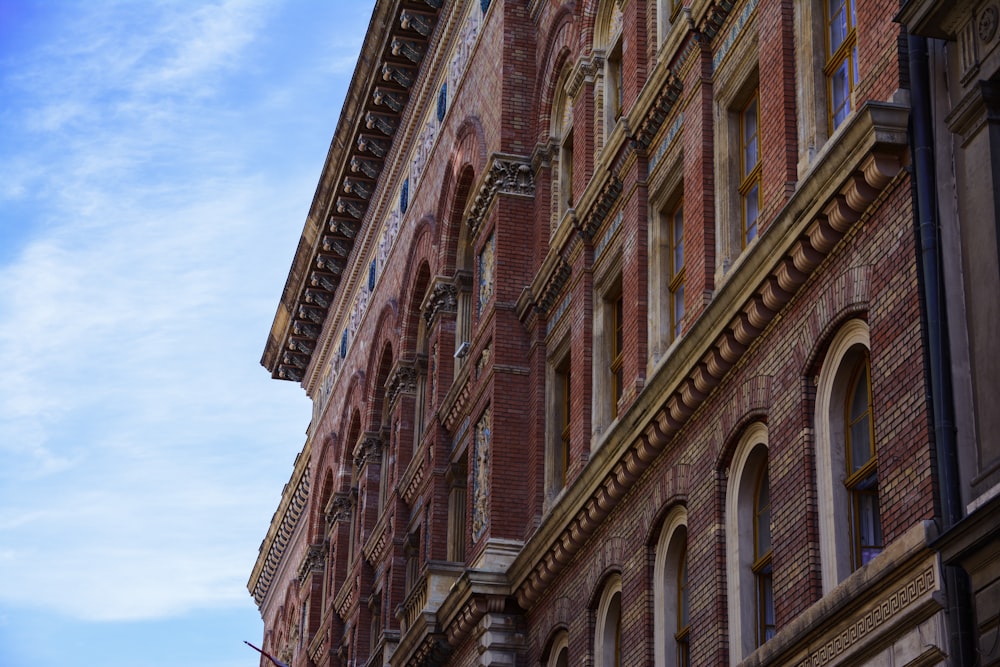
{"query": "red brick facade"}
[(467, 286)]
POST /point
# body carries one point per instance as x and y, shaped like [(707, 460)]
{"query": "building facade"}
[(648, 333)]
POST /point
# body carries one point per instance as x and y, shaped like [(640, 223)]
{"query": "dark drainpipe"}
[(931, 279)]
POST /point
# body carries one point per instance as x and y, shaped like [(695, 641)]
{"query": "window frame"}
[(750, 175), (749, 457), (669, 635), (846, 54), (851, 343), (608, 625)]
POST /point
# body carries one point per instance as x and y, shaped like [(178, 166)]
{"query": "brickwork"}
[(767, 321)]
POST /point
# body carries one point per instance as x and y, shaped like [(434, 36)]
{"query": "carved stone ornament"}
[(442, 299), (313, 561), (403, 380), (987, 24), (369, 449), (507, 175), (339, 508)]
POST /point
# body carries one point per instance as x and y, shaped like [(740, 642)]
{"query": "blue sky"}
[(157, 161)]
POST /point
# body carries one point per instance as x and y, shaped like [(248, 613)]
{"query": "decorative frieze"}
[(481, 475)]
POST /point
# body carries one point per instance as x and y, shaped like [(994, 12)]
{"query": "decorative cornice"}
[(506, 174), (283, 524), (378, 98), (843, 184), (602, 207)]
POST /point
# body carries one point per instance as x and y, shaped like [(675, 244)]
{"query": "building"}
[(648, 333)]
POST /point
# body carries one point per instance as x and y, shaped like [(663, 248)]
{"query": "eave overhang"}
[(283, 524), (390, 62)]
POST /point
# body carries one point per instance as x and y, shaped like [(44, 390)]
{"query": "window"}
[(608, 41), (558, 436), (670, 594), (749, 170), (666, 11), (850, 525), (456, 478), (675, 271), (617, 315), (608, 362), (826, 67), (608, 639), (748, 545), (841, 68), (762, 558), (562, 138), (862, 478), (615, 102), (559, 652), (563, 375)]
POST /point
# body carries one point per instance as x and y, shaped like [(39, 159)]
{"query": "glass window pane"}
[(678, 309), (838, 24), (678, 241), (751, 213)]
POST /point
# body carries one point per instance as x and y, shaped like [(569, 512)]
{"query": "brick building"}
[(648, 333)]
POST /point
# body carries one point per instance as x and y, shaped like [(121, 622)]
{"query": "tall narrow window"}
[(616, 341), (841, 68), (565, 401), (675, 237), (750, 169), (762, 558), (608, 642), (615, 84), (671, 628), (748, 546), (683, 622), (862, 469), (566, 167)]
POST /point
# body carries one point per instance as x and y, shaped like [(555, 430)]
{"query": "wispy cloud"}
[(140, 442)]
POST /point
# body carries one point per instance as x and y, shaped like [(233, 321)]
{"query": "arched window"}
[(748, 545), (670, 593), (608, 636), (862, 478), (609, 41), (764, 611), (559, 651), (850, 526), (562, 135)]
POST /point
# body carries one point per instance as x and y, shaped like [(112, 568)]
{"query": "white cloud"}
[(141, 445)]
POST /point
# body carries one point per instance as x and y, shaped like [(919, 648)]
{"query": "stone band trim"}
[(872, 152)]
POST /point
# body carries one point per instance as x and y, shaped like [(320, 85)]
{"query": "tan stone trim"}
[(871, 151), (294, 498)]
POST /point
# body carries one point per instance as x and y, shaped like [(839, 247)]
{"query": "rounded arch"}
[(557, 52), (670, 585), (556, 652), (317, 527), (417, 264), (467, 159), (848, 348), (608, 623), (749, 466)]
